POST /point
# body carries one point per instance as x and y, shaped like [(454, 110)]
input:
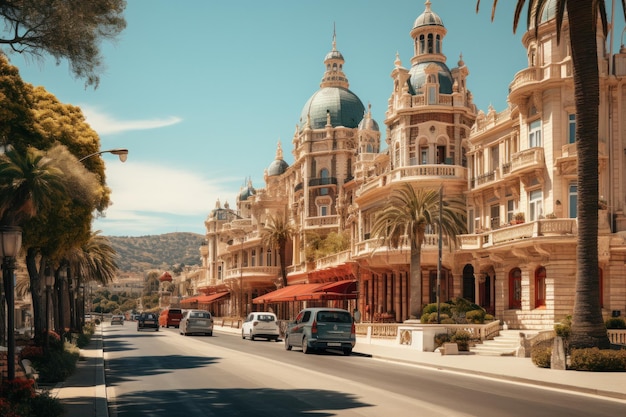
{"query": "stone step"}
[(505, 344)]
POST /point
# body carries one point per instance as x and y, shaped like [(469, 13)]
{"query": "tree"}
[(276, 235), (588, 329), (408, 214), (65, 29)]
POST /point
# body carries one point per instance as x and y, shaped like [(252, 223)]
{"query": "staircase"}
[(505, 344)]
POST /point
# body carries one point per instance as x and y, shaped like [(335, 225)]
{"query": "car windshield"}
[(199, 315), (334, 317)]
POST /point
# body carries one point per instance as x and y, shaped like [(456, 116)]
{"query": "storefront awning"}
[(189, 300), (301, 292), (288, 293), (205, 299)]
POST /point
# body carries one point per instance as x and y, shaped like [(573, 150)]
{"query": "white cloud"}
[(106, 124), (153, 199)]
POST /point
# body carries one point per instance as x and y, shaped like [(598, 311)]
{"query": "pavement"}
[(83, 394)]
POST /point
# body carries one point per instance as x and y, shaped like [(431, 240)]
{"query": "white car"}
[(260, 324), (196, 321)]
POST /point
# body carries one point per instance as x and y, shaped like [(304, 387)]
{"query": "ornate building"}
[(516, 170)]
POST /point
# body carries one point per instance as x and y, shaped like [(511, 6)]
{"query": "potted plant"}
[(519, 218), (551, 216)]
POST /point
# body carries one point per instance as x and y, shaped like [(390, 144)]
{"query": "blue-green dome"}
[(418, 77), (428, 18), (369, 124), (247, 192), (277, 167), (345, 108)]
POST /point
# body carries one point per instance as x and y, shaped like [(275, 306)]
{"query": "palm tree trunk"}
[(588, 329), (282, 253), (37, 292), (415, 296)]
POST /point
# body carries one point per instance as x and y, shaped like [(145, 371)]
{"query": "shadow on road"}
[(235, 402)]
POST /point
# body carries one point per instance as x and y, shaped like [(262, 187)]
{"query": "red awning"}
[(165, 277), (189, 300), (205, 299), (300, 292), (288, 293)]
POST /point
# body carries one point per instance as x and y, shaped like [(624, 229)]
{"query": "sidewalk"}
[(84, 393)]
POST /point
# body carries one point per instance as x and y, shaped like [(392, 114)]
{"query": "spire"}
[(334, 76), (279, 151)]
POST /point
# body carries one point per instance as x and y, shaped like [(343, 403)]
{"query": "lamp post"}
[(121, 152), (49, 281), (81, 316), (10, 244)]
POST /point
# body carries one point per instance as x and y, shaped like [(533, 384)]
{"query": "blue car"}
[(320, 329)]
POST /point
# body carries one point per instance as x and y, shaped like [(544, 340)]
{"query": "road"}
[(166, 374)]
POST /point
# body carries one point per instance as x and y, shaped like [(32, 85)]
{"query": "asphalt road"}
[(166, 374)]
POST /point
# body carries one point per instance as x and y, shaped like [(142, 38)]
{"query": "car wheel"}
[(156, 330), (276, 339), (305, 346), (210, 333), (287, 345), (347, 351), (243, 334), (251, 335)]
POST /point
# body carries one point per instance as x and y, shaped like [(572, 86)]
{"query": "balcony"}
[(317, 182), (416, 172), (321, 221), (510, 234), (247, 272)]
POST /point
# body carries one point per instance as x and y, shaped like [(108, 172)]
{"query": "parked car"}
[(170, 317), (148, 321), (196, 321), (263, 325), (321, 328), (117, 319)]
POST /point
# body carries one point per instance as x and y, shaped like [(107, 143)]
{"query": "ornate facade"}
[(516, 169)]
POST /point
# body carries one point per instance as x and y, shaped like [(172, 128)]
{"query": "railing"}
[(331, 260), (509, 233), (390, 330), (527, 159), (617, 336), (314, 182), (321, 221), (246, 271)]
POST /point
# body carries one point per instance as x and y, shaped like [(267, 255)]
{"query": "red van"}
[(170, 317)]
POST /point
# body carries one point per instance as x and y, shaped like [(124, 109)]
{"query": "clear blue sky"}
[(200, 92)]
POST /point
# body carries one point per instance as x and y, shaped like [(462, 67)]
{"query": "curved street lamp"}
[(121, 152)]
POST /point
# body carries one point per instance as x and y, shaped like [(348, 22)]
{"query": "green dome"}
[(345, 108), (418, 77)]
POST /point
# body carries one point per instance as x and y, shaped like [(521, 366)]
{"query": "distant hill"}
[(138, 254)]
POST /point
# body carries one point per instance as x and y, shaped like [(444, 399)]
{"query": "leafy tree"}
[(278, 232), (407, 215), (65, 29), (588, 328)]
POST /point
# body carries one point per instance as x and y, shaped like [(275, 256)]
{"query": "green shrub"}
[(615, 323), (489, 317), (44, 405), (432, 308), (564, 328), (541, 356), (475, 316), (82, 340), (594, 359), (462, 339), (57, 365), (441, 338), (432, 317)]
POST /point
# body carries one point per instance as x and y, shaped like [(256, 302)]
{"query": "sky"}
[(201, 92)]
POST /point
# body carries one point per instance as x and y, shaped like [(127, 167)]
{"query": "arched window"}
[(515, 289), (540, 288), (438, 44), (430, 43), (396, 156), (422, 47)]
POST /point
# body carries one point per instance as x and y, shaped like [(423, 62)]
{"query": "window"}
[(424, 155), (323, 210), (510, 210), (470, 221), (432, 95), (534, 134), (573, 201), (515, 289), (540, 288), (422, 46), (495, 216), (253, 257), (494, 151), (396, 156), (535, 205), (324, 177), (268, 257), (571, 128), (441, 154), (412, 151)]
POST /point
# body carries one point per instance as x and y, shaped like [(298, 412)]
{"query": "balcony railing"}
[(332, 260), (253, 271), (528, 159), (321, 221), (415, 172), (316, 182)]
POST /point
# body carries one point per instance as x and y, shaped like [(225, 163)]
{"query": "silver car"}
[(196, 321), (321, 328), (262, 325)]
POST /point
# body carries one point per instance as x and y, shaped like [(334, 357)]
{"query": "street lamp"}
[(121, 152), (10, 244)]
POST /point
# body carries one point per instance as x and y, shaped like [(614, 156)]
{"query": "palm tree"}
[(407, 215), (276, 235), (95, 260), (588, 329)]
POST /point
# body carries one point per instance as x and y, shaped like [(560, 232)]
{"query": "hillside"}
[(138, 254)]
